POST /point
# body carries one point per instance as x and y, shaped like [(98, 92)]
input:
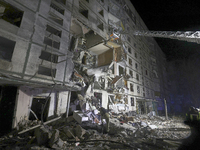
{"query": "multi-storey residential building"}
[(44, 40)]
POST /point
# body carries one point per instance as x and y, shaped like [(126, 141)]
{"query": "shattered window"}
[(10, 14)]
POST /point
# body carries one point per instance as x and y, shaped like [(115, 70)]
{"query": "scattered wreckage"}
[(84, 129)]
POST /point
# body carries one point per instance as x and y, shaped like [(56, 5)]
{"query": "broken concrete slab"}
[(80, 117), (143, 124), (79, 131), (54, 138), (69, 119), (153, 126), (42, 135)]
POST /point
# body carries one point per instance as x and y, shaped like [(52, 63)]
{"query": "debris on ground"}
[(126, 132)]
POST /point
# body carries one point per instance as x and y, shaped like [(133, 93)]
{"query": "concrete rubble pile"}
[(128, 132)]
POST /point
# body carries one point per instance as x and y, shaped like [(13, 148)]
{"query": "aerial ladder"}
[(189, 36)]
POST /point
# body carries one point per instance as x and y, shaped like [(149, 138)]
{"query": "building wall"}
[(32, 38), (58, 102)]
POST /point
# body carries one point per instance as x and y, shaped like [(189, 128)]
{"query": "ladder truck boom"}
[(189, 36)]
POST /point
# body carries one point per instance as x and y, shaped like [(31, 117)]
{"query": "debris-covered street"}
[(127, 131)]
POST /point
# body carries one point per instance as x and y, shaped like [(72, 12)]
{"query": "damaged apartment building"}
[(50, 49)]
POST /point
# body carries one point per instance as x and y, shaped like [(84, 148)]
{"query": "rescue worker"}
[(106, 116), (193, 120), (192, 115)]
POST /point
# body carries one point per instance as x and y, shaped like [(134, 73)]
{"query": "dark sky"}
[(171, 15)]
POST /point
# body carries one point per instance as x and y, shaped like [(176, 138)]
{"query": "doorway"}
[(7, 106), (37, 107)]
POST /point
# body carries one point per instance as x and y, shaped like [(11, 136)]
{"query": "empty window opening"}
[(136, 66), (138, 89), (47, 71), (87, 1), (131, 87), (121, 70), (51, 43), (6, 48), (10, 14), (57, 8), (100, 26), (56, 19), (131, 73), (146, 72), (49, 57), (129, 50), (130, 61), (83, 10), (132, 101), (135, 55), (61, 1), (101, 13), (53, 31), (137, 77), (37, 107)]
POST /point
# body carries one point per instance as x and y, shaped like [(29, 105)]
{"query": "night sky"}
[(171, 15)]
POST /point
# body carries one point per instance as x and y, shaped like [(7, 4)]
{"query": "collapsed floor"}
[(126, 132)]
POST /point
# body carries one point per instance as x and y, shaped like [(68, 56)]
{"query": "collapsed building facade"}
[(51, 48)]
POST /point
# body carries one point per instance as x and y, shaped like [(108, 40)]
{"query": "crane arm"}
[(190, 36)]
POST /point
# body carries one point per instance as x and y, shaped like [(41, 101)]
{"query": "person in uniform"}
[(106, 116)]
